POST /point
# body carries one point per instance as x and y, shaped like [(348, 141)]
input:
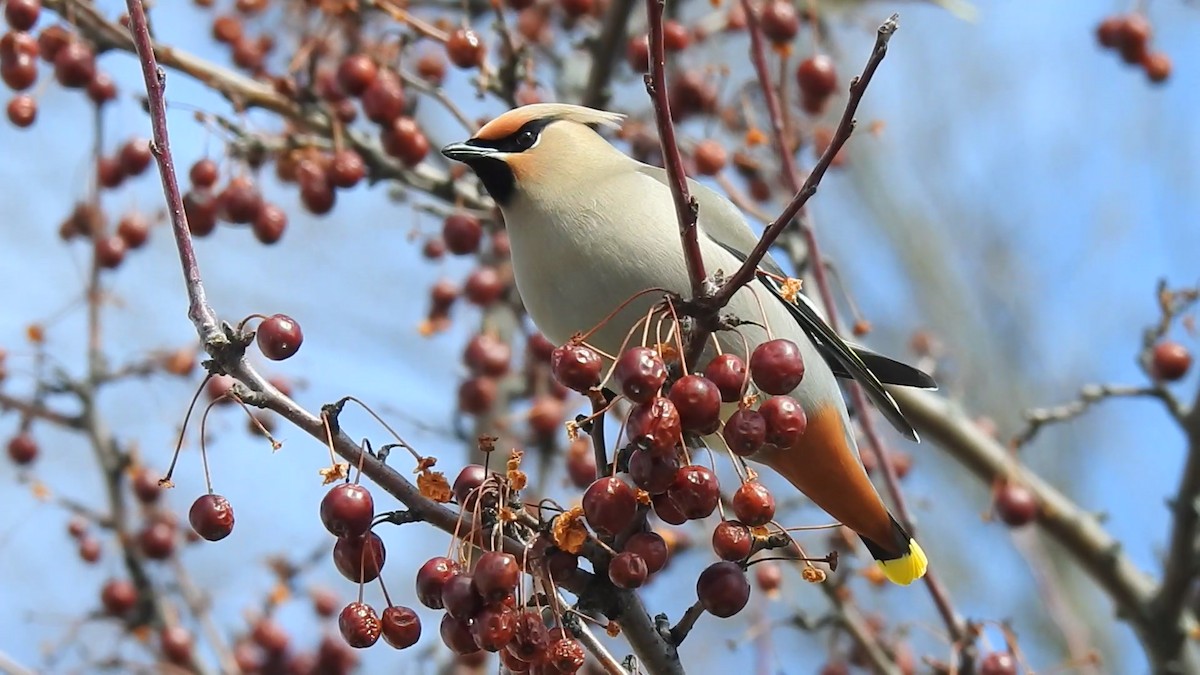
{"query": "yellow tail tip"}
[(908, 567)]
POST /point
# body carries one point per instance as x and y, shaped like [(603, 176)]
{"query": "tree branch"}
[(685, 204), (606, 51)]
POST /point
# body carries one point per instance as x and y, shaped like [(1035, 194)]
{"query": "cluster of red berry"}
[(1129, 35)]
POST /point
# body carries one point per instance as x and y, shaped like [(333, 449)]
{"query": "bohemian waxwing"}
[(591, 227)]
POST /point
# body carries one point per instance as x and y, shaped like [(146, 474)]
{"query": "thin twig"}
[(1089, 395), (685, 205), (680, 631)]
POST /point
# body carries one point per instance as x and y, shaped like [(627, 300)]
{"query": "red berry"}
[(176, 644), (279, 337), (1170, 361), (652, 549), (468, 485), (347, 510), (240, 201), (200, 208), (109, 172), (22, 14), (22, 449), (359, 559), (484, 286), (476, 395), (227, 29), (745, 432), (675, 36), (699, 404), (728, 372), (119, 596), (753, 504), (22, 111), (110, 252), (666, 510), (641, 372), (355, 73), (768, 575), (785, 421), (134, 230), (89, 549), (777, 366), (652, 472), (157, 540), (16, 43), (346, 168), (204, 173), (493, 627), (432, 578), (655, 426), (780, 22), (1108, 32), (75, 65), (488, 355), (401, 627), (709, 157), (1016, 504), (695, 491), (211, 517), (565, 655), (270, 224), (101, 89), (609, 505), (576, 367), (1134, 38), (732, 540), (1157, 66), (462, 233), (403, 139), (465, 48), (496, 575), (460, 597), (817, 77), (998, 663), (723, 589), (359, 626), (457, 635), (637, 53), (135, 156), (530, 637), (581, 463), (383, 100), (431, 67), (50, 40), (628, 570)]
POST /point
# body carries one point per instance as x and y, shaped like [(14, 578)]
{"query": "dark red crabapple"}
[(176, 644), (1016, 504), (496, 575), (576, 366), (468, 486), (666, 510), (486, 354), (359, 625), (465, 48), (432, 578), (695, 491), (355, 73), (22, 110), (493, 627), (753, 504), (628, 570), (655, 426), (400, 626), (462, 233), (785, 421), (135, 156), (211, 516), (652, 473), (732, 540), (641, 373), (118, 596), (776, 366), (768, 575), (279, 337), (728, 372), (347, 510), (204, 173), (22, 449), (460, 597), (359, 559), (530, 637), (723, 589), (745, 432), (457, 635), (651, 547), (698, 401), (1170, 361), (609, 505), (780, 22), (565, 655)]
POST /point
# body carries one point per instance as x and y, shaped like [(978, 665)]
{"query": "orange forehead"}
[(506, 124)]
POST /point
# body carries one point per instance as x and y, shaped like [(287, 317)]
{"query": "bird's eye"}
[(525, 139)]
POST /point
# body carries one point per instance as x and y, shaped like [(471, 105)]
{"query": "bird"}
[(590, 227)]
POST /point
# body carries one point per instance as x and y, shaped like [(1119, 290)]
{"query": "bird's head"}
[(538, 148)]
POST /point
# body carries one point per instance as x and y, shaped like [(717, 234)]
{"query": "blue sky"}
[(1046, 185)]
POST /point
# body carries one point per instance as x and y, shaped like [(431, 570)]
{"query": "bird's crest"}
[(514, 119)]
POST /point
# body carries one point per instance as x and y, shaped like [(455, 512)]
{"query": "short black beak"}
[(463, 152)]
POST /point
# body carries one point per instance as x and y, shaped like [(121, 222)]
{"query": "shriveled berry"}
[(576, 366), (359, 559), (785, 421), (1170, 361), (655, 426), (653, 472), (609, 505), (279, 337), (641, 372), (732, 540), (432, 578), (347, 510), (728, 372), (628, 570), (723, 589), (1016, 504), (745, 432), (496, 575), (493, 627), (695, 491), (530, 637), (651, 547), (359, 625), (211, 516), (777, 367), (753, 504), (565, 655), (698, 401), (400, 626)]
